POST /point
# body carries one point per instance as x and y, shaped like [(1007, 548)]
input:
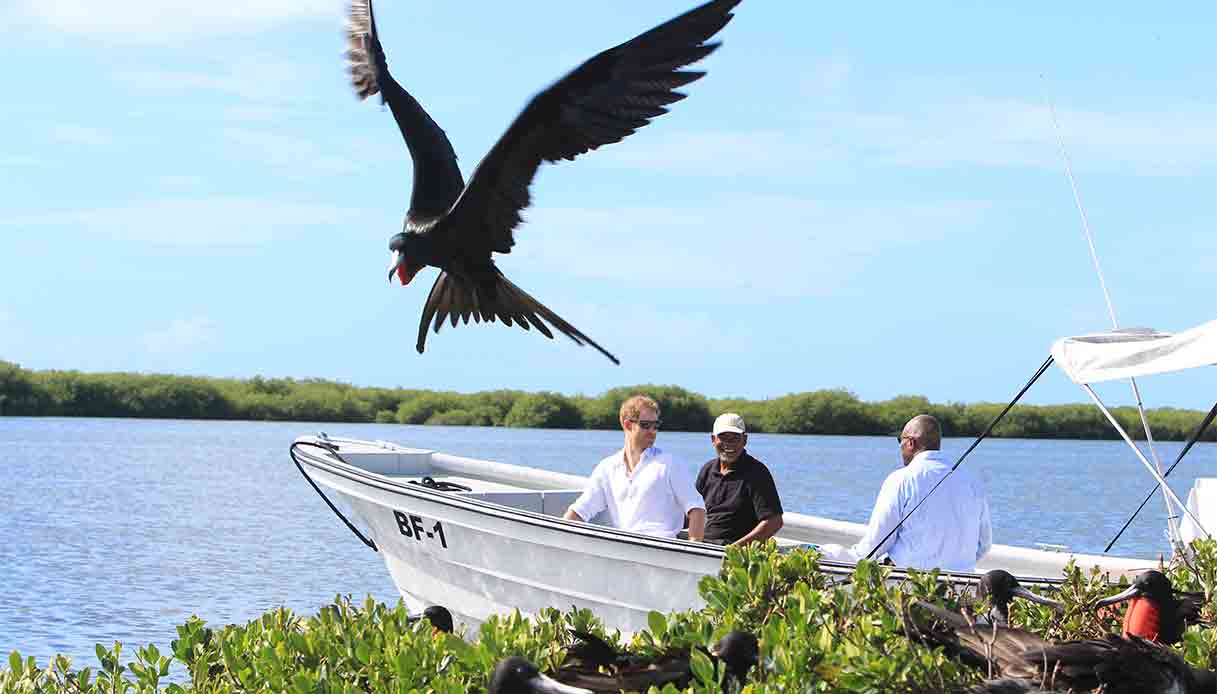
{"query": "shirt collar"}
[(927, 457), (648, 453), (741, 462)]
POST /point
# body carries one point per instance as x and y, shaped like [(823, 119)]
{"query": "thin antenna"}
[(1171, 518), (1077, 197)]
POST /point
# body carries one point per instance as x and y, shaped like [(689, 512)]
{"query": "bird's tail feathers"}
[(454, 298)]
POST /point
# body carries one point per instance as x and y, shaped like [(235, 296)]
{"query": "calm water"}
[(117, 529)]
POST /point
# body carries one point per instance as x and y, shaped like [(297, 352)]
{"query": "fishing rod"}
[(1190, 442), (1171, 517)]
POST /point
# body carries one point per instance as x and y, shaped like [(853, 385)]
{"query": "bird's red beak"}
[(403, 268)]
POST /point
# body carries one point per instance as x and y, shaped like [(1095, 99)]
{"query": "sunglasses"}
[(647, 424), (900, 439)]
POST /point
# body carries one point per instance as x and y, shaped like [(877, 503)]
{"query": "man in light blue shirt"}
[(950, 531)]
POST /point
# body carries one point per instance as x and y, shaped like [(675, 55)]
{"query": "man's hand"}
[(697, 524), (767, 528)]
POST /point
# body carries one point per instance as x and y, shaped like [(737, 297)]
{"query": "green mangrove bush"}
[(818, 634), (836, 411)]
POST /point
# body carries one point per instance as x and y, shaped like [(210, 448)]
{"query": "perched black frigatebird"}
[(970, 642), (1001, 587), (1118, 664), (439, 617), (593, 664), (456, 226), (1158, 612), (517, 675)]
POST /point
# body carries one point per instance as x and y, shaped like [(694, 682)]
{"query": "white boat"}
[(483, 538)]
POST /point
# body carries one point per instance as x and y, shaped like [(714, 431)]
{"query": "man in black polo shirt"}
[(742, 503)]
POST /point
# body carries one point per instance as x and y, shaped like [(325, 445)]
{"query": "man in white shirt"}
[(950, 531), (642, 488)]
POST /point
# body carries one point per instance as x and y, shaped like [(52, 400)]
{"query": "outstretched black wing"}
[(1119, 665), (453, 298), (437, 177), (590, 652), (1191, 607), (602, 101), (992, 649)]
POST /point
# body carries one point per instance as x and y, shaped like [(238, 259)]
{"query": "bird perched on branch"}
[(1121, 665), (594, 664), (1001, 587), (1158, 612), (517, 675), (439, 617), (457, 226), (974, 644)]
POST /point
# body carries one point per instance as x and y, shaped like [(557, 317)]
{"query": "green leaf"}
[(658, 623), (702, 667), (14, 663), (303, 683)]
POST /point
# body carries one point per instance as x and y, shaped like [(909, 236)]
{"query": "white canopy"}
[(1135, 352)]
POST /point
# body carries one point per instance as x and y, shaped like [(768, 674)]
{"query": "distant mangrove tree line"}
[(838, 411)]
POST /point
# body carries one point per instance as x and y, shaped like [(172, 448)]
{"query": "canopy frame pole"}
[(1170, 493), (1172, 516), (1208, 419)]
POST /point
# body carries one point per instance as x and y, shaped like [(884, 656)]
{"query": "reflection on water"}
[(119, 529)]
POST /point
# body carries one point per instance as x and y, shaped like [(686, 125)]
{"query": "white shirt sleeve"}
[(594, 499), (680, 477), (883, 518), (985, 541)]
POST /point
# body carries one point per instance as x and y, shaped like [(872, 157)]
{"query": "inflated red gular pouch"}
[(1142, 619)]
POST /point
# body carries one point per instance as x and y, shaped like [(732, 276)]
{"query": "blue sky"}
[(853, 197)]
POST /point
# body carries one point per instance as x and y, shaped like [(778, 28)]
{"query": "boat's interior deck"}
[(550, 502), (476, 485)]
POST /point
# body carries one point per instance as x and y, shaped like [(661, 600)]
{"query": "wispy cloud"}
[(259, 78), (180, 181), (826, 81), (934, 123), (181, 335), (783, 246), (249, 114), (287, 152), (195, 221), (166, 21), (22, 161), (1012, 132), (80, 135), (8, 333)]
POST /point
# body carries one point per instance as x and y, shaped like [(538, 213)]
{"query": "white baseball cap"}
[(728, 421)]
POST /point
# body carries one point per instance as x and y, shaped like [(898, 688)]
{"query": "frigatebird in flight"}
[(456, 226)]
